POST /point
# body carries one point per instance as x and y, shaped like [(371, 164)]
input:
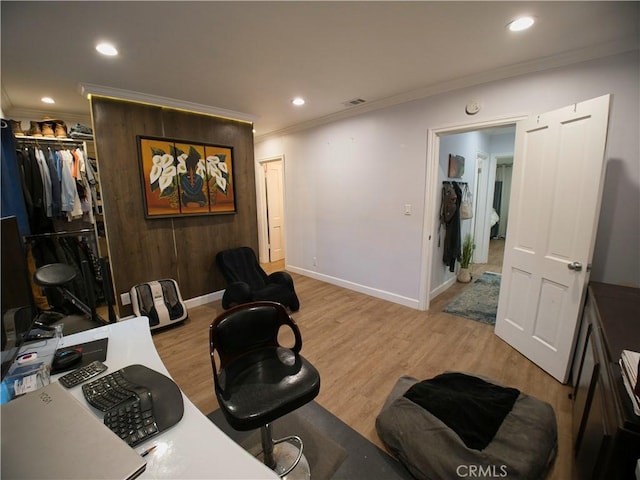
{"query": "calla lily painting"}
[(185, 178)]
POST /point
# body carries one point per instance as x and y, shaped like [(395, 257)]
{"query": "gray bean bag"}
[(523, 447)]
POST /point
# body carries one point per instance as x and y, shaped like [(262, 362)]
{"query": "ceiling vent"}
[(354, 102)]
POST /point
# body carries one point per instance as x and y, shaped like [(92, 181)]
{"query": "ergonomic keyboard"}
[(109, 391), (132, 421), (138, 402)]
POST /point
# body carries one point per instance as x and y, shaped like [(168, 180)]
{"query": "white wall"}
[(346, 182)]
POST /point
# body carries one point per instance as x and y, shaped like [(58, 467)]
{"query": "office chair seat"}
[(264, 385)]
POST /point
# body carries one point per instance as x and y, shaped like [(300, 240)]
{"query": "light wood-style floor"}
[(361, 345)]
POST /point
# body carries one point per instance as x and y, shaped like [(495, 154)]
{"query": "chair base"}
[(282, 457), (285, 454)]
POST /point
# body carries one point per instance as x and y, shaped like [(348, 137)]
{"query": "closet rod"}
[(26, 139), (451, 181), (59, 234)]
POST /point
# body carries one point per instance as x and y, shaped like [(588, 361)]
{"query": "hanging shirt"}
[(83, 179), (55, 183), (46, 182), (70, 162), (68, 187)]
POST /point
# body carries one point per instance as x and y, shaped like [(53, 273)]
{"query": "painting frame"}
[(184, 178), (456, 166)]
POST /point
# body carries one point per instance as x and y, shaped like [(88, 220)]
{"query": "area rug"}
[(333, 449), (479, 300)]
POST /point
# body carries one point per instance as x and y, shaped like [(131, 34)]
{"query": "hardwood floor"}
[(361, 345)]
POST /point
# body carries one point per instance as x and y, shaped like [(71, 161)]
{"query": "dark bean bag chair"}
[(457, 425)]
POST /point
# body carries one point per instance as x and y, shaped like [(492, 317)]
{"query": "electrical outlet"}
[(315, 262), (125, 298)]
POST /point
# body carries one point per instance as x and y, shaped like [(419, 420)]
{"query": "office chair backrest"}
[(247, 328)]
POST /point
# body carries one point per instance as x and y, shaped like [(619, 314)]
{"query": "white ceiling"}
[(254, 57)]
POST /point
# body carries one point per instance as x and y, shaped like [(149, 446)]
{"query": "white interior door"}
[(275, 201), (481, 229), (555, 202)]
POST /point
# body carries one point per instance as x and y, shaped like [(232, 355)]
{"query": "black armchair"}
[(248, 282), (258, 381)]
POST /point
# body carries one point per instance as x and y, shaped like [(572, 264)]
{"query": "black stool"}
[(57, 275), (260, 381)]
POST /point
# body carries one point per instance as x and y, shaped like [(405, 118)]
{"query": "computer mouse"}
[(65, 359)]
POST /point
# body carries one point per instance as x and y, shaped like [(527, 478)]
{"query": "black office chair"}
[(259, 381), (248, 282)]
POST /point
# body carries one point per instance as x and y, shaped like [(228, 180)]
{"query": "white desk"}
[(195, 447)]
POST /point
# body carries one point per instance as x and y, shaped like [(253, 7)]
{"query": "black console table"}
[(606, 431)]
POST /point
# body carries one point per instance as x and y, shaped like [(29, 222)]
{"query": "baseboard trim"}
[(204, 299), (373, 292), (443, 287)]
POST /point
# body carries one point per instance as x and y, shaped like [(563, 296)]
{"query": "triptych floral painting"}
[(185, 178)]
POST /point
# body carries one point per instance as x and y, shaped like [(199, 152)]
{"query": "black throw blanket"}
[(471, 407)]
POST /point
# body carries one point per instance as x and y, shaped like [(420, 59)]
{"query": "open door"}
[(275, 218), (555, 203)]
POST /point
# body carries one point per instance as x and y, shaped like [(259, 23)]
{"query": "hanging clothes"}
[(34, 191), (57, 183), (452, 240), (46, 182), (13, 198), (68, 184), (84, 186)]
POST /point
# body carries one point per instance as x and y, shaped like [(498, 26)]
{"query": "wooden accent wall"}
[(181, 248)]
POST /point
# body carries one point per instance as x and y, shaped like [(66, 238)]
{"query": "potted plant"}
[(464, 275)]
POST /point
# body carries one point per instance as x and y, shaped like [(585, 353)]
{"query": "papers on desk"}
[(630, 365)]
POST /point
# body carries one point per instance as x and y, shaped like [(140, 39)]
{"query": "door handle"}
[(577, 266)]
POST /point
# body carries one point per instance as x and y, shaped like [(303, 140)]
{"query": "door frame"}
[(432, 194), (483, 197), (261, 206)]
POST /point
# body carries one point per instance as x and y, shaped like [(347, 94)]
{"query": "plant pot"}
[(464, 275)]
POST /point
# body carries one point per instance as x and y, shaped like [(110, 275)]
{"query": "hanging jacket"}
[(452, 240)]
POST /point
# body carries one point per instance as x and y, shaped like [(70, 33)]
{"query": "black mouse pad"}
[(91, 351)]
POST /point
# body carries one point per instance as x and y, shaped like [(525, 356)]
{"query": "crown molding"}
[(88, 89), (547, 63)]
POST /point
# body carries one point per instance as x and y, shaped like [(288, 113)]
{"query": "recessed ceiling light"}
[(521, 23), (48, 100), (107, 49), (298, 101)]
